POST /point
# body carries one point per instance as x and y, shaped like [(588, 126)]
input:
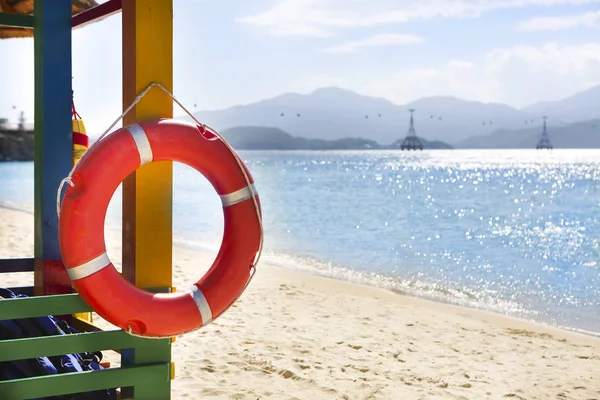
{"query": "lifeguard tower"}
[(146, 369)]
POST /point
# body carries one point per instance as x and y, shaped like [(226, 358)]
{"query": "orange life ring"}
[(83, 211)]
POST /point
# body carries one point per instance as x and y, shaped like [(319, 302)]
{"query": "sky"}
[(230, 52)]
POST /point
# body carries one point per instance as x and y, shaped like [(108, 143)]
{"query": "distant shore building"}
[(16, 140), (411, 142), (544, 142)]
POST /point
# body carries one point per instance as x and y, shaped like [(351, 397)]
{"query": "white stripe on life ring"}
[(89, 268), (238, 196), (201, 303), (141, 142)]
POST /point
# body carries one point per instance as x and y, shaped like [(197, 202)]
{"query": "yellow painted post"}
[(147, 193)]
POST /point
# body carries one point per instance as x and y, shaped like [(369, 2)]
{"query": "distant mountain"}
[(334, 113), (582, 106), (462, 118), (578, 135), (265, 138), (329, 114)]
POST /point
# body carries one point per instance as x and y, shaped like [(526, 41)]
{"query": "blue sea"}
[(511, 231)]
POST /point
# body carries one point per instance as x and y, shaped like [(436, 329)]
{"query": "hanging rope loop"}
[(74, 113)]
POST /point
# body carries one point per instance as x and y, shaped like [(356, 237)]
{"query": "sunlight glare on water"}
[(513, 231)]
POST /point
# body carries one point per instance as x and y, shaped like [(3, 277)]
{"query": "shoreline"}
[(480, 314), (203, 249), (208, 255), (296, 335)]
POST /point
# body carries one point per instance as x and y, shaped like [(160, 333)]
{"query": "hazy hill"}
[(333, 113), (264, 138), (582, 106), (329, 114), (578, 135), (462, 118)]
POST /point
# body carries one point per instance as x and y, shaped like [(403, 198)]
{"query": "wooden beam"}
[(38, 306), (53, 146), (94, 14), (16, 265), (56, 345), (16, 20), (145, 378)]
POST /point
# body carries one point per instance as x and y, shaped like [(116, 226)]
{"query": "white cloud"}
[(520, 75), (324, 17), (587, 20), (373, 41)]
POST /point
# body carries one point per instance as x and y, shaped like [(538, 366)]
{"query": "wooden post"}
[(53, 146), (147, 193)]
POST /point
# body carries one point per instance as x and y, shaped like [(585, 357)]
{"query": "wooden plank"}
[(16, 20), (36, 306), (94, 14), (16, 264), (148, 377), (53, 147), (41, 306), (22, 349)]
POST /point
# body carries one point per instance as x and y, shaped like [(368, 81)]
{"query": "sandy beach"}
[(297, 336)]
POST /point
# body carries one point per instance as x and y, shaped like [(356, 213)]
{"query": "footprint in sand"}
[(287, 374), (213, 392)]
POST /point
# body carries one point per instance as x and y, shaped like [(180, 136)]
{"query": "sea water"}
[(515, 232)]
